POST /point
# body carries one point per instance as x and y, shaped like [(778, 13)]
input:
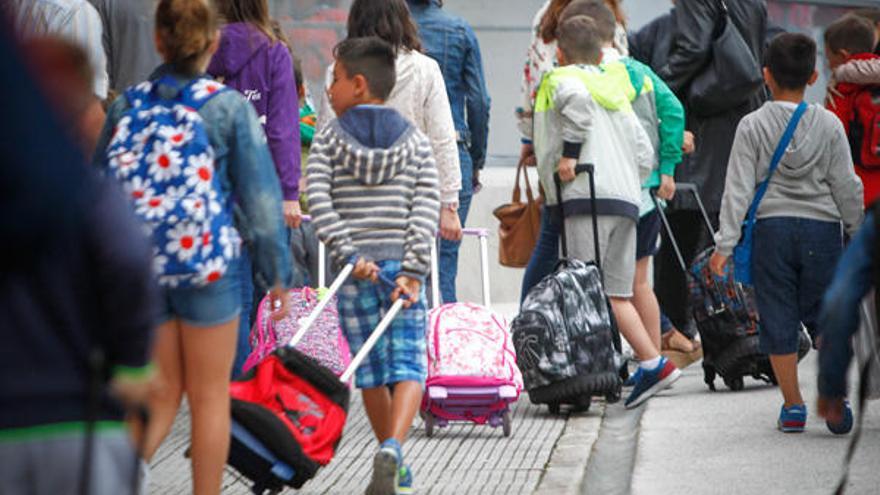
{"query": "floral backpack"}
[(161, 154)]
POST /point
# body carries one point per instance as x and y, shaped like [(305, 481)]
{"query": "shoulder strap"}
[(777, 157)]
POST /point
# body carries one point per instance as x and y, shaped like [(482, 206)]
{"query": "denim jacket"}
[(247, 176), (450, 41)]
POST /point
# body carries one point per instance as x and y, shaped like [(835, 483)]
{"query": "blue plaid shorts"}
[(400, 353)]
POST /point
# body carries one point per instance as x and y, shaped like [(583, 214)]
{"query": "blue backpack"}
[(161, 154)]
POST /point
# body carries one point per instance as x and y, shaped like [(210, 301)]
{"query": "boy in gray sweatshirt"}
[(373, 196), (797, 238)]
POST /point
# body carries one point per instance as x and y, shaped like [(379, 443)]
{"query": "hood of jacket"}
[(380, 145), (808, 144), (609, 86), (240, 42)]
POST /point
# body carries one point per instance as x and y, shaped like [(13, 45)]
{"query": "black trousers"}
[(670, 284)]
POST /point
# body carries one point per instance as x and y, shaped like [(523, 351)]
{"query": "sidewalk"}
[(462, 459), (695, 441)]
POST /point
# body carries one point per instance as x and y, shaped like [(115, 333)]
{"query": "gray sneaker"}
[(385, 472)]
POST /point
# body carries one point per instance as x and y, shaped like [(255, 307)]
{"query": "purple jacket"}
[(263, 72)]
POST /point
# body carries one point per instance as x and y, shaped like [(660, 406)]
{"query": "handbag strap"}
[(517, 196), (774, 163)]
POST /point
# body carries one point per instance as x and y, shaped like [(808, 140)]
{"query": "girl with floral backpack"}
[(193, 158)]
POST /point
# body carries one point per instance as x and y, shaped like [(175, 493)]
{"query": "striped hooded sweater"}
[(372, 189)]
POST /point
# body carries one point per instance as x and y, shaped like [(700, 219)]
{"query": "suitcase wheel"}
[(582, 404), (554, 407), (506, 423)]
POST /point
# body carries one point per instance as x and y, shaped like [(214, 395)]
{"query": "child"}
[(373, 195), (662, 117), (849, 43), (798, 231), (583, 115), (196, 342)]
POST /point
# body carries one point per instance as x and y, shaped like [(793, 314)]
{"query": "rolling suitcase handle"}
[(483, 235), (590, 169), (683, 186)]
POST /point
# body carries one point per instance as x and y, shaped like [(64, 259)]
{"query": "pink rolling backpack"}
[(472, 372)]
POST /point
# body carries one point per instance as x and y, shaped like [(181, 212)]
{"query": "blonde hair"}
[(186, 29)]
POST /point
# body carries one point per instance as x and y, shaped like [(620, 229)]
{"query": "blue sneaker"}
[(653, 381), (386, 467), (846, 424), (404, 481), (792, 419), (633, 378)]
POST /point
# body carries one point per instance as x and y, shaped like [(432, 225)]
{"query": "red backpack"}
[(864, 128)]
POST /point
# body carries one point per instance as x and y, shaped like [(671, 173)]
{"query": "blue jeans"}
[(792, 265), (243, 346), (839, 319), (448, 255), (546, 254), (447, 261)]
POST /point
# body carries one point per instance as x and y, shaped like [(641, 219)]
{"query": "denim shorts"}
[(400, 353), (206, 306), (793, 262), (647, 235)]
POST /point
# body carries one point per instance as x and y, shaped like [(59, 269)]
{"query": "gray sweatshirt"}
[(814, 180)]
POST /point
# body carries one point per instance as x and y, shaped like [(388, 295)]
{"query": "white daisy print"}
[(212, 270), (205, 88), (139, 188), (183, 241), (154, 206), (175, 135), (140, 139), (164, 161), (124, 162), (160, 261), (230, 242), (144, 87), (200, 172), (195, 208), (186, 114), (122, 131)]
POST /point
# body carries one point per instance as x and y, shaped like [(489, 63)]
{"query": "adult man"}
[(128, 40)]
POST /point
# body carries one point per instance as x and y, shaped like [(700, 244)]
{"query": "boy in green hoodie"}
[(583, 115)]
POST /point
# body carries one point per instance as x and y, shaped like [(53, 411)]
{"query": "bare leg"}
[(632, 328), (377, 402), (208, 353), (165, 400), (405, 403), (645, 301), (785, 368)]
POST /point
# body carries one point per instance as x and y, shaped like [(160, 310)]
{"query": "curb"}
[(567, 467)]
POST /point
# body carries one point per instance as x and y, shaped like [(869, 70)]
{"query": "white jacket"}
[(420, 96)]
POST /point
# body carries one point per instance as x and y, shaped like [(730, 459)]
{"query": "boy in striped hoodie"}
[(374, 197)]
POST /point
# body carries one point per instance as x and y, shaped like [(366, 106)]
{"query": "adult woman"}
[(252, 59), (420, 95), (450, 41), (695, 24), (195, 345)]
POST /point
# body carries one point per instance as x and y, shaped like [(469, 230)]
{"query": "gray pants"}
[(54, 466)]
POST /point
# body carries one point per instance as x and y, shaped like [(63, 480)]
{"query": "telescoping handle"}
[(692, 188), (589, 169), (377, 333), (483, 236)]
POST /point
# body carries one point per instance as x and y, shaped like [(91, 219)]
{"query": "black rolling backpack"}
[(566, 338), (725, 314)]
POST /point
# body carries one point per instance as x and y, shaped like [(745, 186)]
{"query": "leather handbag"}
[(731, 76), (520, 223)]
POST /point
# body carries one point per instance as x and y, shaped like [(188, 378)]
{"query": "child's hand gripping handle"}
[(377, 333), (310, 320)]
